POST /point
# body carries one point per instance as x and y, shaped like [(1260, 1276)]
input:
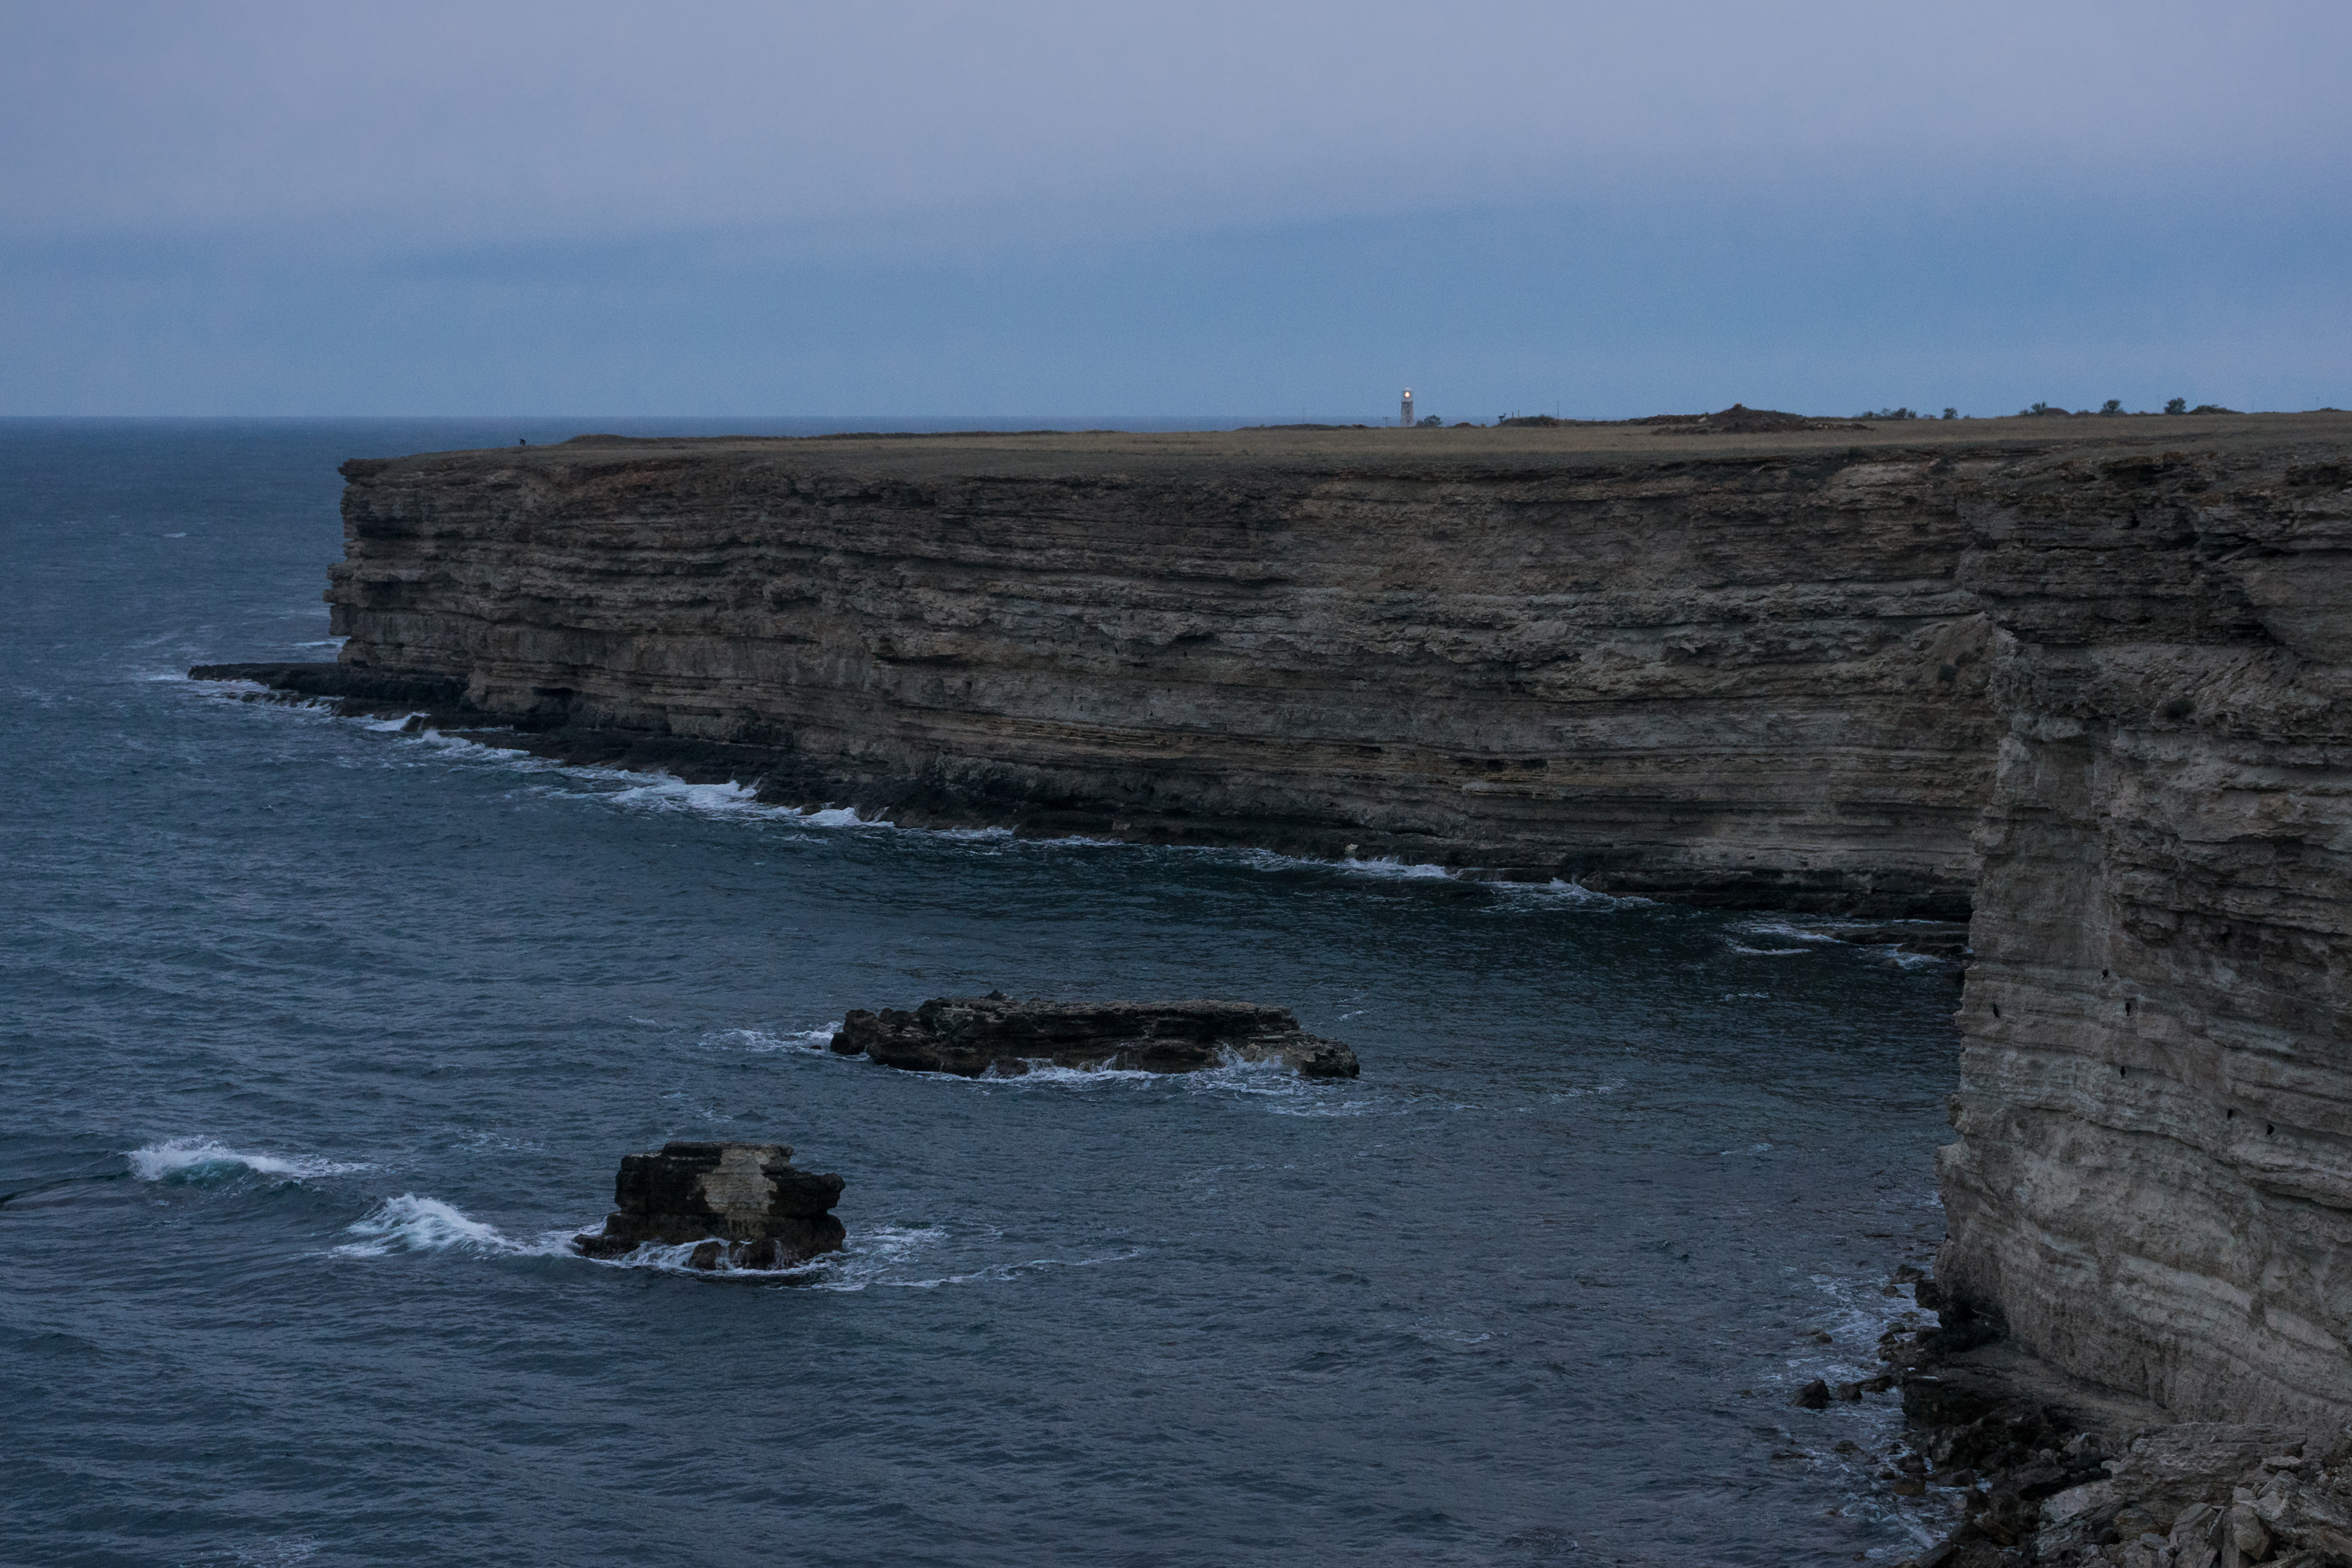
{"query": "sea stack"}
[(970, 1035), (747, 1203)]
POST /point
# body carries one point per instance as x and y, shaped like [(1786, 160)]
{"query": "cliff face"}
[(2154, 1177), (1814, 676), (1753, 681)]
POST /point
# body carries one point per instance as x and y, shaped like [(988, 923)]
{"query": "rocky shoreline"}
[(2050, 1472)]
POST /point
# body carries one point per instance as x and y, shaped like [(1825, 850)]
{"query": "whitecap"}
[(1768, 952), (199, 1159), (412, 1224)]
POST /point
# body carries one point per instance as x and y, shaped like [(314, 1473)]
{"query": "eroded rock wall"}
[(1748, 681), (2153, 1182)]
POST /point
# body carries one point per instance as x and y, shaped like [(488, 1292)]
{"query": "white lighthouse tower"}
[(1405, 418)]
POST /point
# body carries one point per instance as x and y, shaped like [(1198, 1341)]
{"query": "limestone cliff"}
[(2153, 1182), (1751, 679)]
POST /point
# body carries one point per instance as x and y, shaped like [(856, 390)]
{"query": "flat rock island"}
[(969, 1035), (746, 1205)]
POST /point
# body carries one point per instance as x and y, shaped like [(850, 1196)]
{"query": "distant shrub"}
[(1951, 413), (1429, 421), (2177, 406), (2042, 408), (2112, 406), (1887, 413), (2212, 408)]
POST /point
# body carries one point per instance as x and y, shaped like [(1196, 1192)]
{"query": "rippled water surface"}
[(320, 1037)]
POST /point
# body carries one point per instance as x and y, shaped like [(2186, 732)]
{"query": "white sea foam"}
[(890, 1258), (817, 1039), (1784, 931), (390, 725), (411, 1224), (1388, 866), (1768, 952), (197, 1160), (1572, 893), (1038, 1072), (666, 793)]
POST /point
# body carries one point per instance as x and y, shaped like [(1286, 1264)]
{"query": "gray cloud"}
[(501, 121), (929, 207)]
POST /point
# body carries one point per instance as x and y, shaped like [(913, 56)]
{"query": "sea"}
[(322, 1036)]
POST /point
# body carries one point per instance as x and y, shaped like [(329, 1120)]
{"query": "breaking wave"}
[(199, 1161), (411, 1224)]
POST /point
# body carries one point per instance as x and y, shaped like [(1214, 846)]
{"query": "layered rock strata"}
[(970, 1035), (2153, 1181), (746, 1205), (1753, 680)]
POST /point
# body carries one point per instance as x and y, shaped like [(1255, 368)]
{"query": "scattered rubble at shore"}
[(2052, 1473)]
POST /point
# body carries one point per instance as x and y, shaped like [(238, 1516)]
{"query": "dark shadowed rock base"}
[(970, 1035), (746, 1203), (2053, 1472)]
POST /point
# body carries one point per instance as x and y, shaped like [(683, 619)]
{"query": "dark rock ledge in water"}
[(969, 1035), (747, 1205)]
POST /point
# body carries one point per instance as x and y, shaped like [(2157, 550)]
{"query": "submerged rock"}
[(969, 1035), (747, 1203)]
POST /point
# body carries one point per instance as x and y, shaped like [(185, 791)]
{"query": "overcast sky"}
[(1258, 209)]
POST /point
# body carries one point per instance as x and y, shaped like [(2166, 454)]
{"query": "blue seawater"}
[(320, 1038)]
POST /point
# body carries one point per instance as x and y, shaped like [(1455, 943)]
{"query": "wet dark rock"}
[(2078, 1476), (1814, 1396), (970, 1035), (746, 1203), (438, 693)]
